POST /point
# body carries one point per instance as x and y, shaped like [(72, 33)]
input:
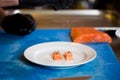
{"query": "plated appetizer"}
[(68, 56)]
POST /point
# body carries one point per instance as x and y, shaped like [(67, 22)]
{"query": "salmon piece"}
[(68, 56), (89, 34), (57, 55)]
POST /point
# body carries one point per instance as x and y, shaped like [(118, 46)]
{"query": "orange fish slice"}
[(89, 34)]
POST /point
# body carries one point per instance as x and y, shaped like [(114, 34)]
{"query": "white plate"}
[(42, 54), (117, 32)]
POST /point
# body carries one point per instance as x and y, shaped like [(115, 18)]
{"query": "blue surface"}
[(13, 65)]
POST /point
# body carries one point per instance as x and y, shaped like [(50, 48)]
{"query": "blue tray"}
[(13, 65)]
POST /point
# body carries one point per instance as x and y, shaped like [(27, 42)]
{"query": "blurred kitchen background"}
[(110, 7)]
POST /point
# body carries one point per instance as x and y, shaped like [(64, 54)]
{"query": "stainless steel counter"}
[(69, 18)]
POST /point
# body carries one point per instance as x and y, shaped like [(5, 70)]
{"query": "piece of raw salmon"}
[(57, 55), (68, 56), (89, 34)]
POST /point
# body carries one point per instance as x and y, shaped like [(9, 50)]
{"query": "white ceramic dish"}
[(117, 33), (42, 54)]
